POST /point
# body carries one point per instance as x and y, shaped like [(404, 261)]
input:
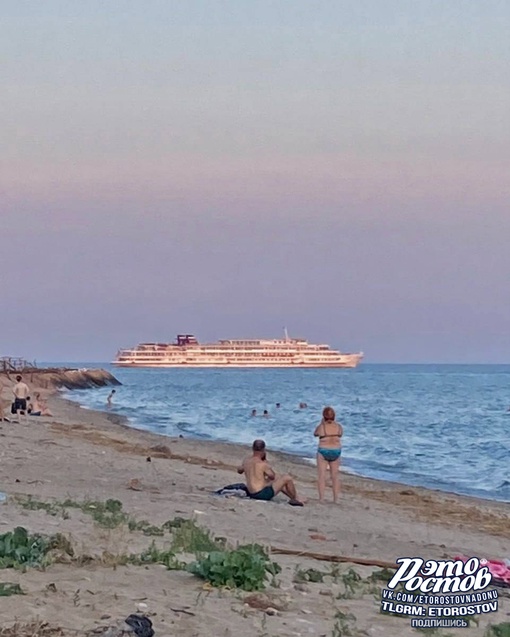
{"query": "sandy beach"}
[(81, 455)]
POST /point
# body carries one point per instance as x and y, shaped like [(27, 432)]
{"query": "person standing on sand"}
[(21, 392), (261, 480), (329, 433)]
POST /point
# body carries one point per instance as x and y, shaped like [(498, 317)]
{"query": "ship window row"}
[(225, 346), (224, 350), (230, 353), (173, 349), (221, 353), (309, 357)]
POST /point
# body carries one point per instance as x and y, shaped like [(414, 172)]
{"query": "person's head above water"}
[(328, 413)]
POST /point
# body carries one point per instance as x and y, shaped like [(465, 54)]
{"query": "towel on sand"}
[(238, 490)]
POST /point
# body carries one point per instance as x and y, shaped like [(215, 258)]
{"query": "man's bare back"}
[(20, 390), (258, 473), (261, 480)]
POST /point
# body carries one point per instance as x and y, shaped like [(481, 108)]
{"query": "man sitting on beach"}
[(261, 480)]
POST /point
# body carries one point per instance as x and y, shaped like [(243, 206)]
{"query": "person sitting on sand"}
[(261, 480), (38, 407), (329, 433), (110, 398)]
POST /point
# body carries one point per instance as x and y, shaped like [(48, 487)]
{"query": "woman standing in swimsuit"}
[(329, 433)]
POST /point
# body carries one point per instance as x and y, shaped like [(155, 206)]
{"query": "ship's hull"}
[(349, 363)]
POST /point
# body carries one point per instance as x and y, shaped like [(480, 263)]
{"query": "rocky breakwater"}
[(57, 378)]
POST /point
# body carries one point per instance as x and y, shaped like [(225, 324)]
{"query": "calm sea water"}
[(440, 426)]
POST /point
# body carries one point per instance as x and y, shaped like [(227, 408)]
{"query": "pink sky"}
[(343, 172)]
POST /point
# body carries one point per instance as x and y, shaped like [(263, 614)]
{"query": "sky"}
[(229, 168)]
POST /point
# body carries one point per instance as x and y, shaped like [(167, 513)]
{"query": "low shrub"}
[(19, 549), (246, 567)]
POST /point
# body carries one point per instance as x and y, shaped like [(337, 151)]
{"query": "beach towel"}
[(238, 490)]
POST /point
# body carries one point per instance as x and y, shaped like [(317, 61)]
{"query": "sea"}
[(446, 427)]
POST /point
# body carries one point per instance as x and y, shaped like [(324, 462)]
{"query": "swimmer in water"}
[(110, 398)]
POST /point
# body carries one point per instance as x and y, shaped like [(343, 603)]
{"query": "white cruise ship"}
[(188, 352)]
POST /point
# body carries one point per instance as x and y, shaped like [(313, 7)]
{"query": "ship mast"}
[(286, 334)]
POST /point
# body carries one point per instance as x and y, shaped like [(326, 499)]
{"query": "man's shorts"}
[(267, 493), (20, 404)]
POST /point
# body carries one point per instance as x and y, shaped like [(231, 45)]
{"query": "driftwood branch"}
[(334, 558), (496, 581)]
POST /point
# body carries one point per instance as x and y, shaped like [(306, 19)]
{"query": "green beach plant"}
[(155, 555), (188, 537), (309, 575), (31, 504), (345, 625), (19, 549), (145, 527), (246, 567), (382, 575), (7, 589), (107, 514), (498, 630)]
